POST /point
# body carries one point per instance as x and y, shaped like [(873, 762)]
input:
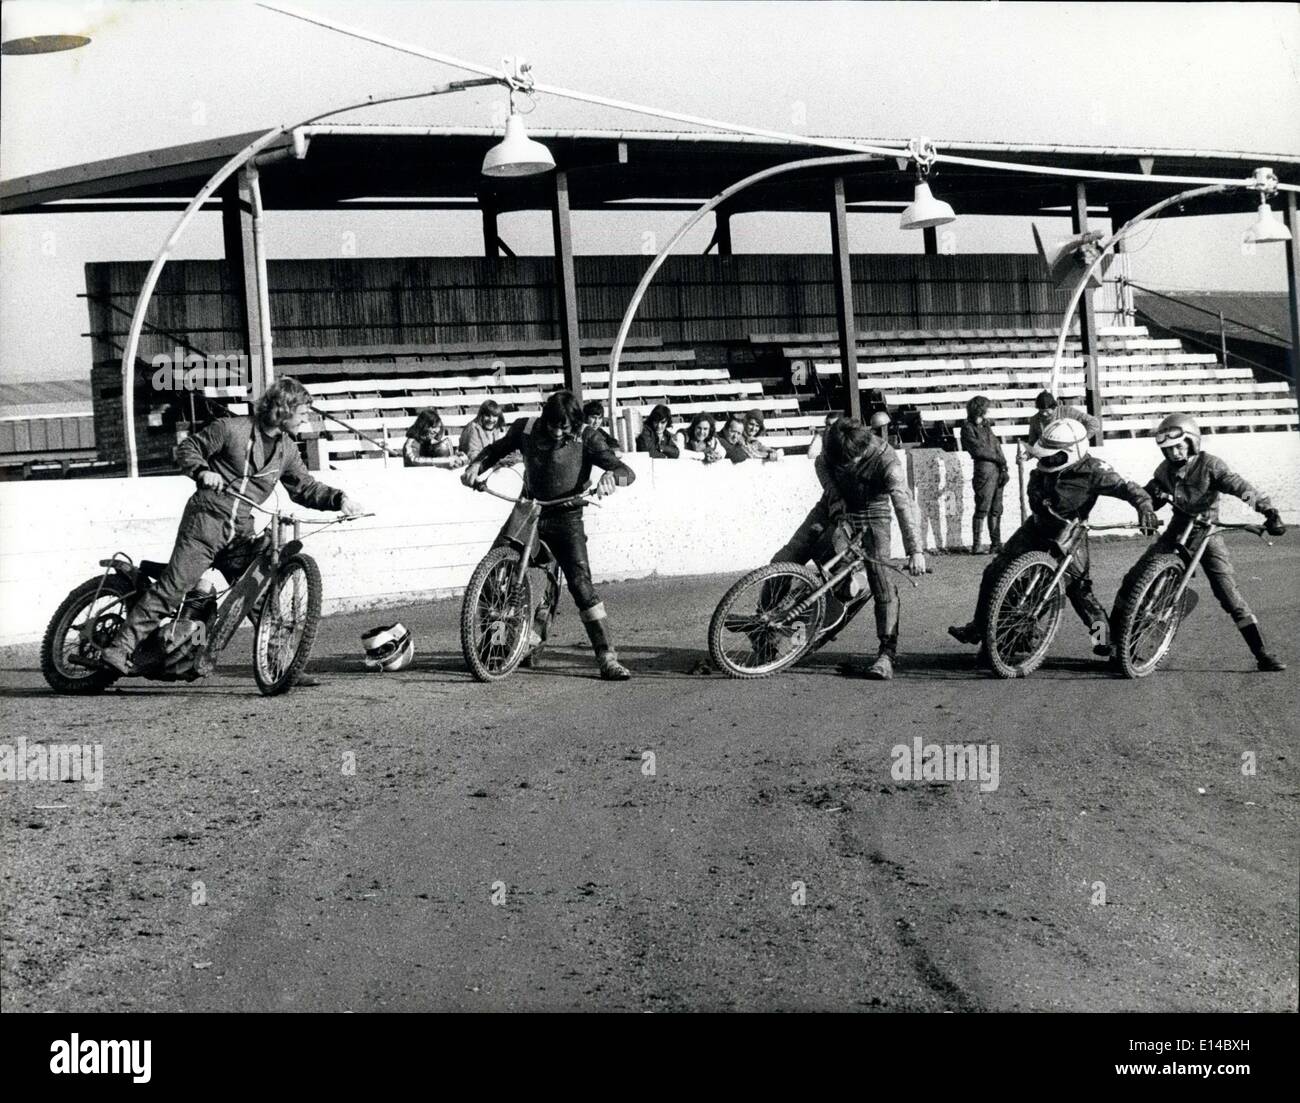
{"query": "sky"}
[(156, 74)]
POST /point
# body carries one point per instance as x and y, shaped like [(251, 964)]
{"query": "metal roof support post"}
[(1293, 281), (931, 237), (257, 295), (566, 285), (491, 237), (723, 232), (1087, 318), (845, 322)]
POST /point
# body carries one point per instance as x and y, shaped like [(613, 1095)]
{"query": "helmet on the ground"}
[(388, 648), (1063, 444), (1178, 427)]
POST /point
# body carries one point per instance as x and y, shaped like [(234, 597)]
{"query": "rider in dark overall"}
[(1191, 481), (250, 455), (559, 452), (862, 480), (1064, 487)]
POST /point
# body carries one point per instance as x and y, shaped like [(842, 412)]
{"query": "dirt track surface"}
[(622, 890)]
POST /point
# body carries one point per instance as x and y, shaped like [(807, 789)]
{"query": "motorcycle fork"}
[(1193, 562), (831, 581), (1057, 576)]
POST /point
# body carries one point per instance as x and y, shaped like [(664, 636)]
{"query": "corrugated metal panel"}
[(46, 434)]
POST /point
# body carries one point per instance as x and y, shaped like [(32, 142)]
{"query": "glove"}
[(1148, 522), (1004, 477), (1273, 523)]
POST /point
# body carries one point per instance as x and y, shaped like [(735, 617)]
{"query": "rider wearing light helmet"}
[(1063, 488), (1191, 480)]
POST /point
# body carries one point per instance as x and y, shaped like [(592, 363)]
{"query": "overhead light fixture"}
[(517, 154), (925, 211), (36, 27), (1267, 227)]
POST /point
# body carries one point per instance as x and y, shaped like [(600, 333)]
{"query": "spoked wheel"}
[(1023, 616), (765, 622), (286, 627), (63, 640), (495, 616), (1146, 615)]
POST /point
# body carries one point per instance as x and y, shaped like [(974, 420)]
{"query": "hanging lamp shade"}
[(926, 211), (517, 154), (34, 27), (1267, 227)]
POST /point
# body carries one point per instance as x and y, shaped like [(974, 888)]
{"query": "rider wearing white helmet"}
[(1191, 480), (1063, 488)]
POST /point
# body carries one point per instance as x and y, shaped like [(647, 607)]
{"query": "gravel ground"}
[(506, 847)]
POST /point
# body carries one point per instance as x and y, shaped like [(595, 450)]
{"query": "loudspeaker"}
[(1066, 260)]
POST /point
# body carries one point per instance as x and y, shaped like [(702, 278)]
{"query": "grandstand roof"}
[(45, 397), (437, 168), (1248, 315)]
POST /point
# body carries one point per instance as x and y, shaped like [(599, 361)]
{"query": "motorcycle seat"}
[(150, 568)]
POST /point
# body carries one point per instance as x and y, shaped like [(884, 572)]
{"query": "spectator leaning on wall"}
[(427, 443), (593, 413), (488, 426), (699, 441), (656, 437)]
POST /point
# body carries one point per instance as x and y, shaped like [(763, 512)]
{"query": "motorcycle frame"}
[(246, 592)]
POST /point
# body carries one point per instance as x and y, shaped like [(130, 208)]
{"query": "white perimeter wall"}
[(679, 518)]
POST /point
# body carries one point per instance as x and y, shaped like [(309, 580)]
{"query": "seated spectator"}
[(754, 447), (1050, 410), (593, 413), (819, 437), (488, 426), (732, 439), (657, 435), (427, 443), (699, 441)]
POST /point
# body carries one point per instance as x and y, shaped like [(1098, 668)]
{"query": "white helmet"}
[(388, 648), (1065, 438)]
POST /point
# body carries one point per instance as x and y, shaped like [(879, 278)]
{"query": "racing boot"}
[(968, 633), (977, 523), (117, 655), (611, 670), (1264, 660), (995, 534)]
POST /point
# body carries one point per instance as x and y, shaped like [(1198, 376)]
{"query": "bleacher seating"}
[(378, 390), (379, 397), (1142, 378)]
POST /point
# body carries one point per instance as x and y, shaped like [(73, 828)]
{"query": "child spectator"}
[(700, 440), (427, 443), (488, 426), (657, 435)]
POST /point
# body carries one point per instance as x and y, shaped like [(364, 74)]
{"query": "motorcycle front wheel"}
[(287, 625)]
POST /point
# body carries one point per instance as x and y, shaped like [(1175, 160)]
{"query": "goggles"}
[(1170, 436)]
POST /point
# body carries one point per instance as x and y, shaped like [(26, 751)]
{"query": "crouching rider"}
[(1191, 481), (247, 455), (1063, 488), (559, 451), (862, 478)]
